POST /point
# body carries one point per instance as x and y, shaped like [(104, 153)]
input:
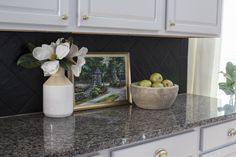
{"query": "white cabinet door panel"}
[(229, 151), (216, 136), (184, 145), (126, 14), (194, 16), (44, 12)]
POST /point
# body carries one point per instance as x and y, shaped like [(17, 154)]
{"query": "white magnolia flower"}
[(51, 52), (44, 52), (50, 67), (76, 69), (62, 50), (83, 51), (55, 52), (59, 41), (73, 50)]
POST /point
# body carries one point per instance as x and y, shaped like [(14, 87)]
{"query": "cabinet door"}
[(194, 16), (229, 151), (43, 12), (124, 14)]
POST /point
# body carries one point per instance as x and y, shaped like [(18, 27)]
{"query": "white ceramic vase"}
[(58, 95)]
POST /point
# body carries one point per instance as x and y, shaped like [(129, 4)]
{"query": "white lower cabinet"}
[(184, 145), (229, 151), (218, 135), (217, 140)]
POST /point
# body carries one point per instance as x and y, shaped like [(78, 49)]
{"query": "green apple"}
[(157, 85), (156, 77), (167, 83), (145, 83)]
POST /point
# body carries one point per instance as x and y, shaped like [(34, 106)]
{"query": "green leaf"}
[(70, 39), (227, 76), (234, 75), (229, 68), (229, 71), (28, 61), (66, 63), (31, 47), (229, 90), (234, 87)]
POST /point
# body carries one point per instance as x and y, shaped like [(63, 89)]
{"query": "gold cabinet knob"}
[(172, 24), (232, 132), (161, 153), (64, 17), (85, 17)]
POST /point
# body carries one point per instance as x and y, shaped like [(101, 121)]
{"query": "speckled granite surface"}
[(91, 131)]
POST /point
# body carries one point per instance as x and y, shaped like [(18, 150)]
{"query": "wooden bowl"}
[(154, 98)]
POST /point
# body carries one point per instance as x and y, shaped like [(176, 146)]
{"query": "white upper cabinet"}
[(40, 12), (122, 14), (194, 16), (183, 18)]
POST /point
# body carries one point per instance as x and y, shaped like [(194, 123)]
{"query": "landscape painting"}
[(104, 81)]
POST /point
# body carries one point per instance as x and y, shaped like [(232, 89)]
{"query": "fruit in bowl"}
[(167, 83), (156, 77), (157, 85), (145, 83), (154, 94)]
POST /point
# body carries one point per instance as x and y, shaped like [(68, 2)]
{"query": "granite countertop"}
[(95, 130)]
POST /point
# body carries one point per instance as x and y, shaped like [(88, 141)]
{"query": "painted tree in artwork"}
[(89, 68), (115, 63), (107, 65)]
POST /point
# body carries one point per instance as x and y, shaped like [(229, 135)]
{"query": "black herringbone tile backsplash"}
[(21, 89)]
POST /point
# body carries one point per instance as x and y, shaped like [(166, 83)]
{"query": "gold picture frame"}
[(93, 81)]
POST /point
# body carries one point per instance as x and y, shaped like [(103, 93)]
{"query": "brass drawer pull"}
[(64, 17), (161, 153), (85, 17), (232, 132), (172, 24)]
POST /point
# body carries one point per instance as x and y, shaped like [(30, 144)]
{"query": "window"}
[(228, 40)]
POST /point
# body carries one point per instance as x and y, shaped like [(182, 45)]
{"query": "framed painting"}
[(104, 81)]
